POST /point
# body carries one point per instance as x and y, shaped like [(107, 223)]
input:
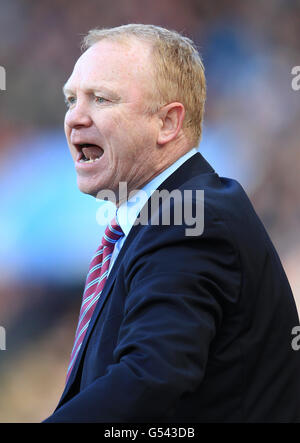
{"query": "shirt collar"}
[(129, 210)]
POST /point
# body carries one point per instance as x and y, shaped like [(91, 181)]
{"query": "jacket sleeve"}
[(177, 289)]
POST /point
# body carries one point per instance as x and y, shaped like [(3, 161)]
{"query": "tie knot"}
[(112, 234)]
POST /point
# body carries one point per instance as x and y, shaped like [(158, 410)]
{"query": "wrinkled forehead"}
[(120, 64)]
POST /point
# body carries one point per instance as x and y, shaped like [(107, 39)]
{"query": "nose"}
[(78, 116)]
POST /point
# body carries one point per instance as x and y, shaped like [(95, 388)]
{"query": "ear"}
[(171, 120)]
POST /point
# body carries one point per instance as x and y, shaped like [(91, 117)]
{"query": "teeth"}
[(91, 160)]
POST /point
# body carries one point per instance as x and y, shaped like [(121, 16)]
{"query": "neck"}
[(128, 190)]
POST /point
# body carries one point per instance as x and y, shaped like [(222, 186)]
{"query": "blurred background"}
[(48, 230)]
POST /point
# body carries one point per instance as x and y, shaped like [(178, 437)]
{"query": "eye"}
[(99, 99), (70, 101)]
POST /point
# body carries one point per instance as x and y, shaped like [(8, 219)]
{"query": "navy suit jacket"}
[(191, 329)]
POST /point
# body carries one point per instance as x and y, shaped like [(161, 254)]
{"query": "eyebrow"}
[(92, 89), (66, 90)]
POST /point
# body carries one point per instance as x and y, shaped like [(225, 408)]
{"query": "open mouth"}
[(89, 153)]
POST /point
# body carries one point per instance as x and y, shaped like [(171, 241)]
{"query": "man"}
[(176, 325)]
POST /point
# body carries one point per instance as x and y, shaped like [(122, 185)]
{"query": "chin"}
[(99, 190), (87, 188)]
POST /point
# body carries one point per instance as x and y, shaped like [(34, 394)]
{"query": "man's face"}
[(110, 136)]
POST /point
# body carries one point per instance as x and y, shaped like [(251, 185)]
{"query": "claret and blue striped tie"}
[(95, 281)]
